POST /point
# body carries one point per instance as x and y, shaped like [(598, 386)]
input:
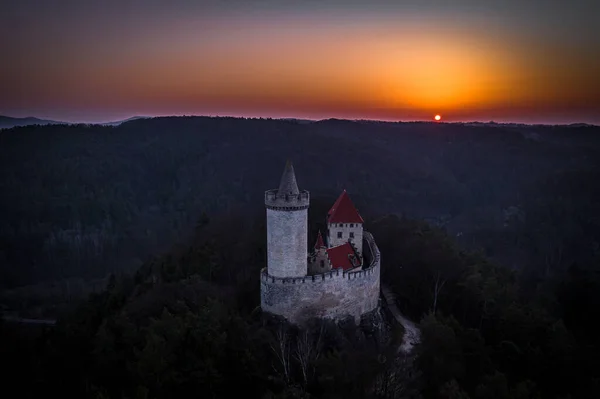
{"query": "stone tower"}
[(287, 227)]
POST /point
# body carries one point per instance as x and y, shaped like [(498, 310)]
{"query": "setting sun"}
[(437, 118)]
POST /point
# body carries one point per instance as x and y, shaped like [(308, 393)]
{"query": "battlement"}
[(264, 276), (372, 258), (287, 202), (317, 278), (333, 294)]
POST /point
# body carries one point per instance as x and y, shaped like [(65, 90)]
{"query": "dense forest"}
[(146, 240), (187, 324), (82, 201)]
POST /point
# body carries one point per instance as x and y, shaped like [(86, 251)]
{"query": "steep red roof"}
[(342, 256), (344, 211), (319, 243)]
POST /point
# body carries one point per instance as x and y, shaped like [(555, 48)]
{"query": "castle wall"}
[(335, 294), (345, 229), (287, 234)]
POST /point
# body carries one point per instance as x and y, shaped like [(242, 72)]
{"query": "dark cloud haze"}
[(530, 61)]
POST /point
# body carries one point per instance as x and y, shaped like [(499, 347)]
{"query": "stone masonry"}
[(286, 242), (334, 295)]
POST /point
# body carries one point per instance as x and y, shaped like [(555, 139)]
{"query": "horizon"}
[(284, 118), (469, 61)]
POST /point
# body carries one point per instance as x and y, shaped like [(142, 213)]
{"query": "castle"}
[(338, 278)]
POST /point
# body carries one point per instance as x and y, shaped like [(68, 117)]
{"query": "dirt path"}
[(412, 335)]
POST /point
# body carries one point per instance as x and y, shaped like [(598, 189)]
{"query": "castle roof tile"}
[(320, 243), (344, 211), (343, 256)]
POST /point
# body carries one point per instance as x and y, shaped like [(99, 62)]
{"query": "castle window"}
[(322, 264), (351, 225), (351, 234), (339, 234)]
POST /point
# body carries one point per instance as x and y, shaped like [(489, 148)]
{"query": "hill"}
[(186, 324), (7, 122), (115, 123), (82, 201)]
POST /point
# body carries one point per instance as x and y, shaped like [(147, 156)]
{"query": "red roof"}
[(342, 256), (344, 211), (319, 243)]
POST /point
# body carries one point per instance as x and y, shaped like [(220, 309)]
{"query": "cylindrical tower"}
[(287, 227)]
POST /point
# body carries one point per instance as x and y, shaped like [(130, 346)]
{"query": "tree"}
[(281, 349), (308, 351)]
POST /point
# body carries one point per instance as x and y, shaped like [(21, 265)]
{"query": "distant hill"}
[(6, 122), (116, 123)]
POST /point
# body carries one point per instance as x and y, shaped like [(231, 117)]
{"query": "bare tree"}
[(308, 351), (303, 354), (282, 352), (437, 287)]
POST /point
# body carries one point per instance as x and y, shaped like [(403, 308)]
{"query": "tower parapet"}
[(287, 202)]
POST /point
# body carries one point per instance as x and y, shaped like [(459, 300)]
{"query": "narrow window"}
[(339, 234), (322, 264), (351, 224), (351, 234)]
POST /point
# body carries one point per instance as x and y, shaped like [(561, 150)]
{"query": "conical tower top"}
[(320, 243), (288, 185), (287, 197)]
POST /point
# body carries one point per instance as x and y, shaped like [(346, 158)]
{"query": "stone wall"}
[(334, 228), (335, 294), (287, 234)]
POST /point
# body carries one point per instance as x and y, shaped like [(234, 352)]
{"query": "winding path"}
[(412, 335)]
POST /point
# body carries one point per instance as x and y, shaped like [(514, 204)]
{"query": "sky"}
[(532, 61)]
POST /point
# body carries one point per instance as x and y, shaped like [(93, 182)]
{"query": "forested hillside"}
[(502, 274), (187, 324), (82, 201)]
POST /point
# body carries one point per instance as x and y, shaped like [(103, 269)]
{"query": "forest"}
[(81, 201), (187, 323), (145, 240)]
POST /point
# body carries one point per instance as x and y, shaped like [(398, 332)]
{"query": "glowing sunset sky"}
[(530, 61)]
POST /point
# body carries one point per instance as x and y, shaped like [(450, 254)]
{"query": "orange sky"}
[(399, 65)]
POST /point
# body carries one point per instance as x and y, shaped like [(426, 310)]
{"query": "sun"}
[(437, 117)]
